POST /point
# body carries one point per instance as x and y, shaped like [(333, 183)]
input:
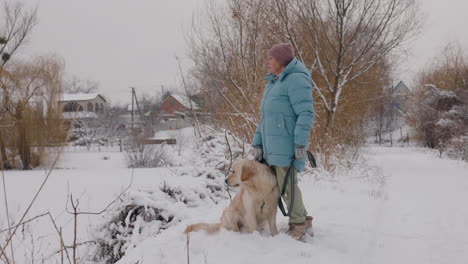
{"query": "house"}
[(82, 105), (400, 96), (176, 106), (175, 112)]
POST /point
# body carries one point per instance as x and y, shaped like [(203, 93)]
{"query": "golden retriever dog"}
[(255, 204)]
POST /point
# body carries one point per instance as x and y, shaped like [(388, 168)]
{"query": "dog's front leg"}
[(250, 222), (272, 224)]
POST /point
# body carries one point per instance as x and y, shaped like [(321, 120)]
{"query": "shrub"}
[(147, 156)]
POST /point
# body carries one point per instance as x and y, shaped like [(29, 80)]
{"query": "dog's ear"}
[(247, 171)]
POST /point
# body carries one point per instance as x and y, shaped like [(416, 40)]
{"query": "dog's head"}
[(242, 171)]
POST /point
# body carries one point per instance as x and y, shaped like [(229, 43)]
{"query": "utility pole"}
[(133, 93), (135, 101)]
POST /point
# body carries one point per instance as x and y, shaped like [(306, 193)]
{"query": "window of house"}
[(90, 107), (97, 108), (72, 107)]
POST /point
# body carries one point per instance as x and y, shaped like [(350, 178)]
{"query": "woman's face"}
[(274, 66)]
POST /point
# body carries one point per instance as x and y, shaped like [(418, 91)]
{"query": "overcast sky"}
[(123, 43)]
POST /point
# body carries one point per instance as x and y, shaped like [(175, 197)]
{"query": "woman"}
[(286, 117)]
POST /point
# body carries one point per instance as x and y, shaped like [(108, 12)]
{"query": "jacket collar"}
[(269, 77)]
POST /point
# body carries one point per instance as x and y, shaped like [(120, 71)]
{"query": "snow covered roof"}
[(400, 85), (78, 115), (164, 134), (185, 101), (66, 97)]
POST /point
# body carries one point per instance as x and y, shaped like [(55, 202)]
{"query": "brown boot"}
[(297, 231), (309, 221), (308, 224)]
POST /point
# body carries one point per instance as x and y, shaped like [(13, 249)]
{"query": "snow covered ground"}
[(88, 177), (424, 219), (415, 214), (404, 206)]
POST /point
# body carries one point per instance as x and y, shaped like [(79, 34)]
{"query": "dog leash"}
[(290, 174), (283, 188)]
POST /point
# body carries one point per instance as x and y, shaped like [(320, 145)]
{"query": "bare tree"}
[(229, 52), (77, 85), (88, 131), (344, 43), (449, 70), (381, 114), (346, 39), (30, 96), (339, 40), (16, 24)]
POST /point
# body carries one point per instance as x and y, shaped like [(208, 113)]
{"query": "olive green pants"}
[(298, 213)]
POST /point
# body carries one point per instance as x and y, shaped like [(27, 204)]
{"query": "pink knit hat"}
[(283, 53)]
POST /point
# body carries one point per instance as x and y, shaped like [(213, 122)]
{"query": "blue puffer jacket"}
[(286, 115)]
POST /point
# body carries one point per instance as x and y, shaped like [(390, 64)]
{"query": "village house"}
[(175, 112), (90, 105), (400, 96), (81, 106)]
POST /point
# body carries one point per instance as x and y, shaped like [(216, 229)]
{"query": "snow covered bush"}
[(147, 156), (88, 131), (458, 148), (145, 213), (140, 215), (440, 105), (440, 118), (90, 128)]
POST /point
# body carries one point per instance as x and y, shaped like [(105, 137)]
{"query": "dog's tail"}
[(209, 228)]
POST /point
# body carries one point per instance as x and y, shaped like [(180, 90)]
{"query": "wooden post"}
[(3, 156)]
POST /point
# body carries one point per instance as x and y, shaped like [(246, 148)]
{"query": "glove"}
[(300, 151), (258, 152)]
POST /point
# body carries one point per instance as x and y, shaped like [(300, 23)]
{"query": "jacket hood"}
[(294, 66)]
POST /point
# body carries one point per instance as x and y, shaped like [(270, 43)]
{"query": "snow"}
[(412, 215), (424, 212), (88, 176), (187, 133), (435, 93), (403, 205), (444, 122), (79, 115), (163, 134), (78, 97)]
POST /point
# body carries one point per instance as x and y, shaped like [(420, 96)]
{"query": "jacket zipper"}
[(263, 123)]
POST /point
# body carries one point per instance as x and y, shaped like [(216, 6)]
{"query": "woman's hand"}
[(300, 151), (258, 151)]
